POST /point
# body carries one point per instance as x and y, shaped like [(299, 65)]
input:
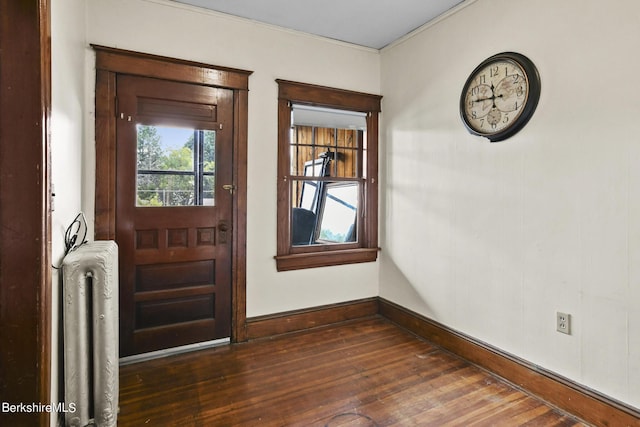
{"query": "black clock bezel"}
[(533, 81)]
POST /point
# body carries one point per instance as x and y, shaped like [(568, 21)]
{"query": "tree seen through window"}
[(176, 166)]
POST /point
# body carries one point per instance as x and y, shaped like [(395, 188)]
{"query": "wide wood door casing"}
[(175, 261)]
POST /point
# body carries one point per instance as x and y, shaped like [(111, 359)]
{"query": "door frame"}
[(109, 63), (25, 210)]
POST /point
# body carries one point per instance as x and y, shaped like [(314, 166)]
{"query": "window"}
[(176, 166), (327, 176)]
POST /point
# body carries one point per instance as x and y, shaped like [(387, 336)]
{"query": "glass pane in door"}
[(175, 166)]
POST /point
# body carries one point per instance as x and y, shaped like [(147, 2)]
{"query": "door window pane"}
[(175, 166), (208, 190)]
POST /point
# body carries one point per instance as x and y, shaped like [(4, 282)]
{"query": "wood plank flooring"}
[(366, 372)]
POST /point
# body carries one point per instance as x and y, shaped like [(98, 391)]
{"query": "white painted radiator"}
[(90, 286)]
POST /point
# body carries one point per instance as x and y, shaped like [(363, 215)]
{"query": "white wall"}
[(67, 116), (67, 139), (493, 239), (171, 29), (489, 239)]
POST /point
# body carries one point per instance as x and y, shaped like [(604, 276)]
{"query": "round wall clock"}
[(500, 96)]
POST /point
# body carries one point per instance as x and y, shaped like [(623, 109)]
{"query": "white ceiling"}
[(370, 23)]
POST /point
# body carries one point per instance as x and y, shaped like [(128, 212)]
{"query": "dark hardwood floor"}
[(366, 372)]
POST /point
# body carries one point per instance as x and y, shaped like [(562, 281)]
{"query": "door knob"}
[(229, 187), (223, 227)]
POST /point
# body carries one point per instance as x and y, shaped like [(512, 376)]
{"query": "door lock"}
[(229, 188)]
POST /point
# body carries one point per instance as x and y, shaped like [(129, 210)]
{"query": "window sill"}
[(325, 258)]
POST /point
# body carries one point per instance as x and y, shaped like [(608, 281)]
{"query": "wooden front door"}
[(173, 212)]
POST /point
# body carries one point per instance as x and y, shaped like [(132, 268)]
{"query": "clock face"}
[(500, 96)]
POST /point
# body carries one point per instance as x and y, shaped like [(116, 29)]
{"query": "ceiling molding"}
[(273, 27), (374, 25), (446, 15)]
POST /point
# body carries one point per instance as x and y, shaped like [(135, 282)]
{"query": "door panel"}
[(172, 213)]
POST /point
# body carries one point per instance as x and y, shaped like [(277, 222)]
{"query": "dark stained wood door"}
[(173, 213)]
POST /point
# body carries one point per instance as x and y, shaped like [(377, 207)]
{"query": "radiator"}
[(90, 287)]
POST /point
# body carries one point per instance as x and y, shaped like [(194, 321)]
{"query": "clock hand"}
[(488, 99)]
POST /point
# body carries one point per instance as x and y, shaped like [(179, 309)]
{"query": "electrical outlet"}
[(563, 323)]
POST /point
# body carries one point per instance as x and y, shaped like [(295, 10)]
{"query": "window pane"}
[(326, 152), (308, 196), (302, 149), (347, 138), (303, 227), (208, 190), (165, 148), (342, 146), (304, 211), (336, 206), (165, 190), (305, 194), (347, 164), (338, 223), (209, 151), (147, 190), (176, 166)]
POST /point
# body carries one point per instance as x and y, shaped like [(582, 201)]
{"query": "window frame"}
[(366, 248)]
